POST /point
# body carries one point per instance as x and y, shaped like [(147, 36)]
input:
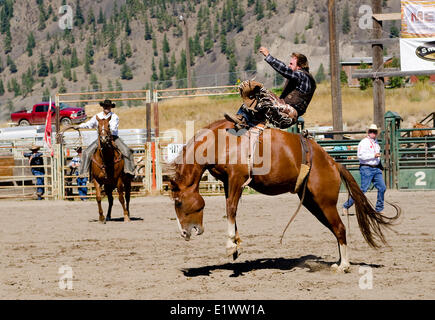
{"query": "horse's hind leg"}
[(120, 188), (109, 192), (328, 215), (98, 198), (127, 187)]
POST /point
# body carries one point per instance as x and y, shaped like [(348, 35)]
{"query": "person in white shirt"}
[(369, 155), (113, 124)]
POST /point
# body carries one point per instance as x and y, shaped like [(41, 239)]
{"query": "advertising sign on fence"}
[(417, 43), (417, 54)]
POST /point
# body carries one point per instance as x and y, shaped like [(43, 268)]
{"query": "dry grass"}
[(412, 104)]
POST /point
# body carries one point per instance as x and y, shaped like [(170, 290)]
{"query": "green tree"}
[(50, 66), (126, 72), (2, 88), (62, 88), (101, 18), (127, 27), (394, 31), (259, 10), (15, 87), (310, 23), (42, 67), (293, 7), (148, 30), (53, 82), (30, 44), (250, 64), (233, 77), (257, 42), (364, 83), (78, 18), (320, 75), (165, 45), (93, 82), (154, 76), (74, 59), (11, 64), (7, 44), (296, 40), (345, 21), (396, 82), (155, 46), (223, 43), (343, 77)]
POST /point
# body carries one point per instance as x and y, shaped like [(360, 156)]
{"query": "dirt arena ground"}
[(147, 258)]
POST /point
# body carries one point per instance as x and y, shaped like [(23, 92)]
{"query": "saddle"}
[(254, 133)]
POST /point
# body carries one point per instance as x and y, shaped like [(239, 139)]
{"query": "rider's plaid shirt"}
[(303, 82)]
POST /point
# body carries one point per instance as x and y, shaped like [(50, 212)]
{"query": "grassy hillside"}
[(138, 43)]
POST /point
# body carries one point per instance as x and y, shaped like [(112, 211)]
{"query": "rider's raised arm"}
[(281, 68)]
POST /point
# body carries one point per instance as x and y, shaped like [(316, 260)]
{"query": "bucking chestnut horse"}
[(107, 169), (207, 152)]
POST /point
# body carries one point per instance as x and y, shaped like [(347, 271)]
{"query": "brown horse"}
[(107, 168), (205, 152), (421, 133)]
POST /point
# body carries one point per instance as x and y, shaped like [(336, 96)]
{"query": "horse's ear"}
[(173, 185), (98, 119)]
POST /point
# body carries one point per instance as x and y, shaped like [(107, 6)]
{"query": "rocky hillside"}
[(135, 44)]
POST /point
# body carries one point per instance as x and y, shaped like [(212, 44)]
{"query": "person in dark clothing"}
[(37, 162), (296, 95)]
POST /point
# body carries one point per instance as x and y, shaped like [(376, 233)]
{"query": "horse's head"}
[(189, 206), (104, 133)]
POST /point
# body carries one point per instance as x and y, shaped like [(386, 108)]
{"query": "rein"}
[(303, 192)]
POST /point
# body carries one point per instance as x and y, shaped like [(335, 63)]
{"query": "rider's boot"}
[(238, 120)]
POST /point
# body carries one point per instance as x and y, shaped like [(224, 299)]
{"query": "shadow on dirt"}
[(120, 219), (310, 262)]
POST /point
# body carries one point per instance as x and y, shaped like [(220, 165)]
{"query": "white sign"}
[(417, 54), (174, 150), (418, 19)]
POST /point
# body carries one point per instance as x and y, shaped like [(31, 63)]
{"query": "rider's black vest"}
[(294, 97)]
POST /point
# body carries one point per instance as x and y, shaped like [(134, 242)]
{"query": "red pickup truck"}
[(38, 114)]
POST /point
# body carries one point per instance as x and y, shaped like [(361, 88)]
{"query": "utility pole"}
[(378, 66), (337, 116), (186, 39)]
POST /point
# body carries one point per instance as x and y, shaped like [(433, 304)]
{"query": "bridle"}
[(101, 145)]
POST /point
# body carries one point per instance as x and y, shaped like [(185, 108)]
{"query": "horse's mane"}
[(175, 166)]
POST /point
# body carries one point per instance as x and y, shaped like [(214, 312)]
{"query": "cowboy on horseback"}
[(261, 105), (114, 123)]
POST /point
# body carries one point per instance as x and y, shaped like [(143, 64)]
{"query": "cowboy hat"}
[(107, 103), (34, 148), (373, 127)]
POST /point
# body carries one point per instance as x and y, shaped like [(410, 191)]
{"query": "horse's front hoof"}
[(342, 268), (126, 219), (102, 221), (234, 251)]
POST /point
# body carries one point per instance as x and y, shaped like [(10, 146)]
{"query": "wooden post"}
[(378, 66), (148, 121), (337, 116), (156, 119), (57, 106)]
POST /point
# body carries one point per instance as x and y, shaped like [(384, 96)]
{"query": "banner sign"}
[(417, 54), (418, 18)]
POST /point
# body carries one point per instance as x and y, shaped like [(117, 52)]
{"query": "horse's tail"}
[(370, 222)]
